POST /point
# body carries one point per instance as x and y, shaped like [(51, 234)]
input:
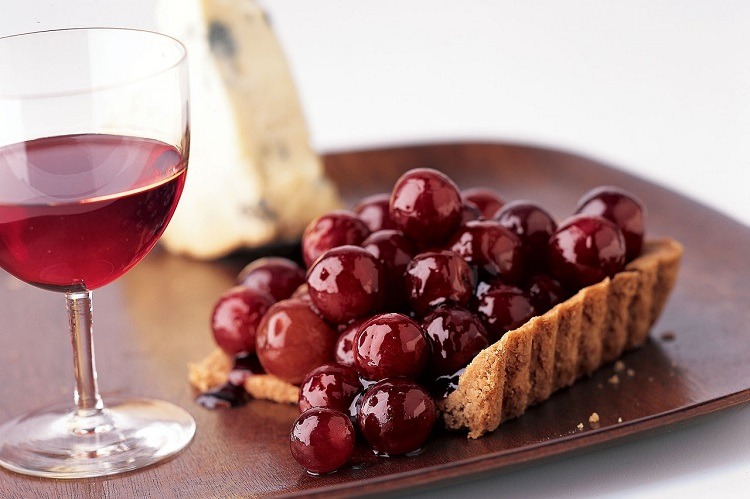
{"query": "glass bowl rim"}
[(180, 59)]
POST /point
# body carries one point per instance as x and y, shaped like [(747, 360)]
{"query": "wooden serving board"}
[(153, 321)]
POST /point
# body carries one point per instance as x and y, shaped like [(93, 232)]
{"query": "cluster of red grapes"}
[(400, 295)]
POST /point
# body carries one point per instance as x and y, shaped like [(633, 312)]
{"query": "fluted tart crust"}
[(553, 350)]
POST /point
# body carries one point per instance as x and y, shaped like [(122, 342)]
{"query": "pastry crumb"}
[(630, 373), (619, 420), (594, 418), (271, 388), (614, 380), (211, 371), (580, 426), (619, 366)]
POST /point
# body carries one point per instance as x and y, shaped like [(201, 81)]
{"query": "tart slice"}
[(550, 351), (438, 303)]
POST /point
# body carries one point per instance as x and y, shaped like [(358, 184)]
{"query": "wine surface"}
[(78, 211)]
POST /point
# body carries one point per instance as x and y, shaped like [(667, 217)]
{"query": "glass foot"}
[(55, 442)]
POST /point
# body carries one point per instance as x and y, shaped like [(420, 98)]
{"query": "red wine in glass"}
[(88, 206), (94, 141)]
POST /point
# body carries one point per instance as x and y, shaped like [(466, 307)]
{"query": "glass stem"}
[(87, 399)]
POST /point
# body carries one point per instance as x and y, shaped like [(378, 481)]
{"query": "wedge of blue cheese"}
[(253, 178)]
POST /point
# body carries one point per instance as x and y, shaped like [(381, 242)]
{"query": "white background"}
[(659, 88)]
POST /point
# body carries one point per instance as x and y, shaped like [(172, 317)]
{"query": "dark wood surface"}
[(153, 321)]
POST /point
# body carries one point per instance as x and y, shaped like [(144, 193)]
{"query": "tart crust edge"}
[(573, 339)]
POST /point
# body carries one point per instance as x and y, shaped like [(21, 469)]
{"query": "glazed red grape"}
[(584, 250), (492, 248), (426, 206), (394, 251), (437, 277), (390, 345), (456, 336), (470, 211), (621, 207), (292, 340), (533, 226), (322, 440), (392, 248), (487, 200), (373, 210), (545, 292), (302, 292), (275, 276), (396, 416), (503, 308), (346, 283), (330, 385), (344, 349), (335, 228), (236, 317)]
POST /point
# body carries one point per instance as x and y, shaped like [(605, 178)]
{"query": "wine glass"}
[(94, 140)]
